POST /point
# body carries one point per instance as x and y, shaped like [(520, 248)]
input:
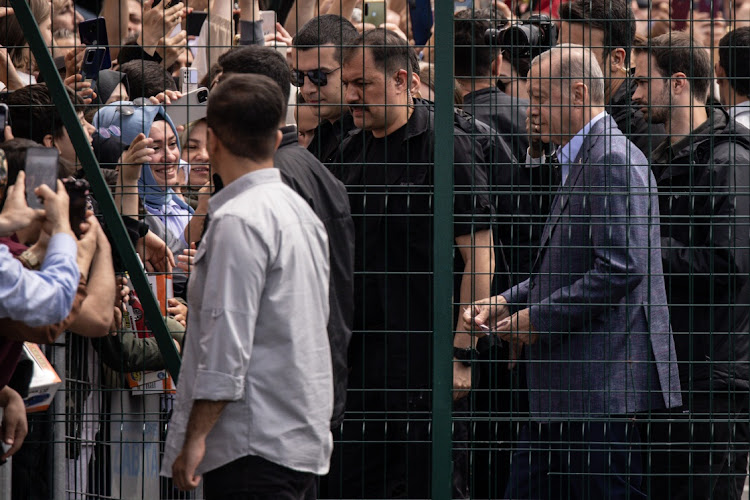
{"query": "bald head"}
[(573, 64)]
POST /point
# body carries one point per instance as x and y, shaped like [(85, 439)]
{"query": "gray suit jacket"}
[(596, 292)]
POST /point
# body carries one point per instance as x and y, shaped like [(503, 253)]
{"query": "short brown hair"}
[(678, 52), (244, 112)]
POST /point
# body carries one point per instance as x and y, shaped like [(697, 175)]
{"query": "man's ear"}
[(211, 143), (579, 94), (680, 83), (617, 61), (279, 136), (401, 79), (497, 63), (48, 141)]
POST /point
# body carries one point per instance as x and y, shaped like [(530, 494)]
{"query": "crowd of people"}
[(281, 175)]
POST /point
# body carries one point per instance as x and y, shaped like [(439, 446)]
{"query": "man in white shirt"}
[(255, 392), (733, 74)]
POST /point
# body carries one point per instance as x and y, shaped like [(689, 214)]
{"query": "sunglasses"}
[(111, 131), (318, 77)]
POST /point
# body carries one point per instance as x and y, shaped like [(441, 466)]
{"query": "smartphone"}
[(3, 120), (93, 62), (194, 23), (78, 190), (188, 108), (188, 79), (420, 12), (269, 21), (459, 5), (374, 13), (40, 168), (94, 33)]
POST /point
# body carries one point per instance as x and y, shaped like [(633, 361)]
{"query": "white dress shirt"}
[(257, 331), (741, 113)]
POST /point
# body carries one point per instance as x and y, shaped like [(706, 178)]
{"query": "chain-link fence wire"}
[(610, 246)]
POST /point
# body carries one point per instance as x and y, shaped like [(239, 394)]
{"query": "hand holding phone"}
[(93, 62), (78, 190), (189, 107), (94, 33), (41, 169)]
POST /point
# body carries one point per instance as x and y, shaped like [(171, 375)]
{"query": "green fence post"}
[(442, 344), (101, 190)]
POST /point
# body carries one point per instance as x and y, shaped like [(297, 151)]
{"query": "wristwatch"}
[(465, 355), (29, 260)]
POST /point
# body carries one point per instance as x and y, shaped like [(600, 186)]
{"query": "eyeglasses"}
[(318, 77)]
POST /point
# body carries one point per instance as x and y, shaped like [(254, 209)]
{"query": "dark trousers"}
[(701, 455), (379, 454), (577, 460), (255, 478)]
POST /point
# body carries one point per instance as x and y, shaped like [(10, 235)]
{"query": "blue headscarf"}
[(134, 119)]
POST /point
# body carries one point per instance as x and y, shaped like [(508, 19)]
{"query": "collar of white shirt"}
[(568, 153), (741, 113)]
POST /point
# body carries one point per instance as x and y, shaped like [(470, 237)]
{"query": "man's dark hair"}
[(325, 29), (147, 78), (614, 17), (229, 106), (734, 59), (389, 51), (678, 52), (257, 60), (33, 113), (472, 55)]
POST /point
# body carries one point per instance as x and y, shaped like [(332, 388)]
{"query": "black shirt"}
[(390, 184), (505, 114), (328, 138), (327, 196)]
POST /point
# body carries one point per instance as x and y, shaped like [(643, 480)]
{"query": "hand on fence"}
[(185, 262), (14, 426), (178, 310), (155, 254)]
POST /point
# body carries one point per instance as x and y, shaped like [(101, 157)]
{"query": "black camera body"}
[(525, 39)]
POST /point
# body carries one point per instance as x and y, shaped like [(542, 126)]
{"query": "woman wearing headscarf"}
[(167, 215)]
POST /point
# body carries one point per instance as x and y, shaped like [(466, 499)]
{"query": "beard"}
[(659, 110)]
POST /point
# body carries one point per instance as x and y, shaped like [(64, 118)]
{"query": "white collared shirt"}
[(741, 113)]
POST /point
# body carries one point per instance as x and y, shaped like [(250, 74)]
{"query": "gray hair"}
[(574, 63)]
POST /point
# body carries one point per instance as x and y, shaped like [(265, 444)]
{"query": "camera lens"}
[(521, 37), (90, 57)]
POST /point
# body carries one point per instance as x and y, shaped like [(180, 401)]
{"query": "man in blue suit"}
[(593, 315)]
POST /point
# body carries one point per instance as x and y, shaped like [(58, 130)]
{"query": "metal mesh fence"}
[(538, 247)]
